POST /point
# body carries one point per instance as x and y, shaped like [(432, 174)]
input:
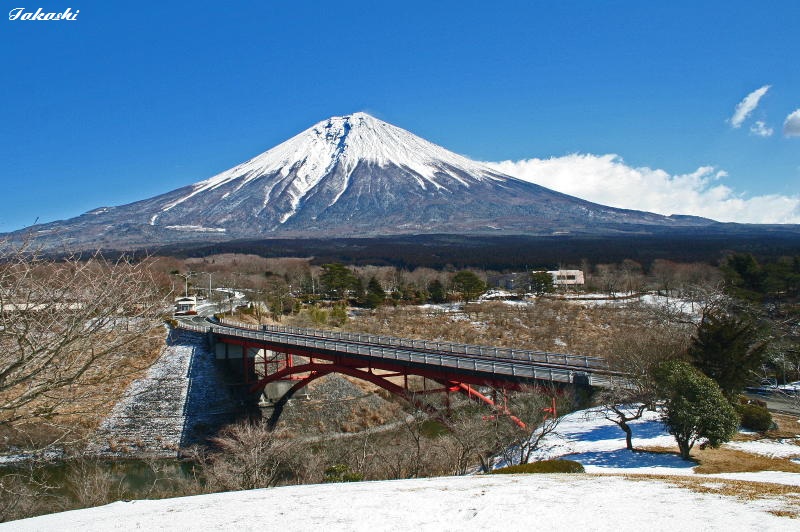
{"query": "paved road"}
[(778, 402)]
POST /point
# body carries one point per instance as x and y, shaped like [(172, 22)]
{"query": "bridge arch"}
[(317, 370)]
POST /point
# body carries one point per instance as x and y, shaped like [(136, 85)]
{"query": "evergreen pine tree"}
[(729, 349), (375, 294), (436, 291)]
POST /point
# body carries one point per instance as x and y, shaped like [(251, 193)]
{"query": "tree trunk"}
[(684, 447), (628, 435)]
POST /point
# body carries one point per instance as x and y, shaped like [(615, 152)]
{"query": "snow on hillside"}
[(158, 412), (498, 502), (587, 437)]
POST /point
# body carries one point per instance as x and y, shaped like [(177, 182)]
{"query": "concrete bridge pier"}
[(584, 390), (250, 364)]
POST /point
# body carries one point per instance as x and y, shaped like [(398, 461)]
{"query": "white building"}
[(567, 277)]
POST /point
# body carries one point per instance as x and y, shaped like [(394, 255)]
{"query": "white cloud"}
[(791, 127), (747, 106), (607, 180), (761, 129)]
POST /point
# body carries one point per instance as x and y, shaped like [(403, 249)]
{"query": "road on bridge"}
[(504, 363)]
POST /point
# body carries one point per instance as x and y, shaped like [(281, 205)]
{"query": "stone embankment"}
[(182, 397)]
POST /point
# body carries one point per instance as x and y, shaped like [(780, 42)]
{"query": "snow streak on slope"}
[(344, 141)]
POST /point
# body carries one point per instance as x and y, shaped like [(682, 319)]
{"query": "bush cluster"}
[(754, 417), (545, 466), (341, 473)]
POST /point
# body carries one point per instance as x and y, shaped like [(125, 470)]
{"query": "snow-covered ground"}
[(498, 502), (583, 298), (598, 444), (587, 437)]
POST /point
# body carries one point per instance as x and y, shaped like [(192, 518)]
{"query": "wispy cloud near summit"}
[(747, 106)]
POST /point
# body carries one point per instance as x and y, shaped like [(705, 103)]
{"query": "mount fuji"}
[(349, 176)]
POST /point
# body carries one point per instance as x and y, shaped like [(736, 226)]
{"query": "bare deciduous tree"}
[(637, 354), (70, 329), (467, 441), (251, 456), (538, 408), (23, 491)]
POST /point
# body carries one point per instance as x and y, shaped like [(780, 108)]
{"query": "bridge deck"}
[(496, 362)]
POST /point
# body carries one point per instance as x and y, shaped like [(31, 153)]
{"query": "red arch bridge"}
[(293, 357)]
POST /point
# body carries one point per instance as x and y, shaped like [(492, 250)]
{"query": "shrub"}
[(545, 466), (341, 473), (754, 417), (694, 407), (318, 316)]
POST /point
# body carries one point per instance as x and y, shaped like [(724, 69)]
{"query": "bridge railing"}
[(511, 367), (546, 357)]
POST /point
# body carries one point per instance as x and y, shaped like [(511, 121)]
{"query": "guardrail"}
[(516, 365), (576, 361)]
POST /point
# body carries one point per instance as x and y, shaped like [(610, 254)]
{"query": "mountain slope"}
[(349, 176)]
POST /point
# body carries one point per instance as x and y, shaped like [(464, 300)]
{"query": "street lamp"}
[(186, 280)]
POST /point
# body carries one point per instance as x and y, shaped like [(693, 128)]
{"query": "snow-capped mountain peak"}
[(346, 141), (352, 175)]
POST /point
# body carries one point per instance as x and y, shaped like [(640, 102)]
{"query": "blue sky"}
[(597, 98)]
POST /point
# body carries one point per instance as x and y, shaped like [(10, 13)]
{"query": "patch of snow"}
[(196, 228), (443, 307), (599, 444), (520, 302), (495, 294), (771, 477), (22, 457), (770, 448)]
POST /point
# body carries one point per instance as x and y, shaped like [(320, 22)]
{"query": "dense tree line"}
[(503, 253)]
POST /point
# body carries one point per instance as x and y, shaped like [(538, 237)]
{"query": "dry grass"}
[(788, 426), (785, 500), (724, 460), (81, 407), (544, 324)]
